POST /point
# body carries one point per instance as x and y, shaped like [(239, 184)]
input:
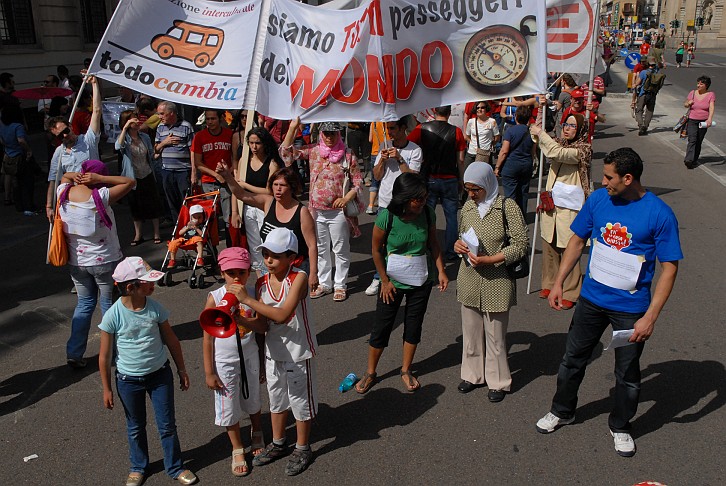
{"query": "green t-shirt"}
[(409, 238)]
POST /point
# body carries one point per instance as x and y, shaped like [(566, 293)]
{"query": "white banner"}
[(570, 37), (193, 52), (389, 58)]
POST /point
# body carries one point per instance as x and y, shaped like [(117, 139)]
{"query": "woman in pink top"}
[(327, 173), (702, 104)]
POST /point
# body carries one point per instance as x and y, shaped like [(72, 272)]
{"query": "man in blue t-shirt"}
[(629, 229)]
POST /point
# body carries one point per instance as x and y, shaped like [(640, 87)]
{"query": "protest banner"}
[(193, 52), (570, 35), (389, 58), (111, 112), (383, 60)]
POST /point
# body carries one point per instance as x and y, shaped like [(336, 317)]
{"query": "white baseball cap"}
[(135, 268), (279, 240), (196, 209)]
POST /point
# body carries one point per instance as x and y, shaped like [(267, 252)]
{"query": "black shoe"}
[(466, 387), (76, 364), (642, 132), (495, 396), (690, 165)]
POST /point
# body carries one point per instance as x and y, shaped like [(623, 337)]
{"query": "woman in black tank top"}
[(283, 210), (264, 160)]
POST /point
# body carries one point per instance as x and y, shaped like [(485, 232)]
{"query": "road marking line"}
[(720, 179)]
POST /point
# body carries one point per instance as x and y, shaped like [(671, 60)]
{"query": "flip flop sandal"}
[(239, 464), (413, 383), (157, 241), (368, 380), (137, 242), (319, 292)]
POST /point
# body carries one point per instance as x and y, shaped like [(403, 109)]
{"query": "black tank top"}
[(271, 222), (258, 178)]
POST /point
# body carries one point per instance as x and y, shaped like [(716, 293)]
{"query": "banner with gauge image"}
[(192, 51), (389, 58)]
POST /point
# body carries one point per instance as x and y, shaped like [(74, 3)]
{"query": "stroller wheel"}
[(192, 282), (167, 279), (200, 282)]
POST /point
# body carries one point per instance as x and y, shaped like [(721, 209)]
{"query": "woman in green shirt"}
[(679, 54), (409, 267)]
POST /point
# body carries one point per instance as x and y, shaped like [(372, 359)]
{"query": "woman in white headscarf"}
[(484, 288)]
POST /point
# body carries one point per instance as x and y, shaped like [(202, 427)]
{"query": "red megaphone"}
[(219, 321)]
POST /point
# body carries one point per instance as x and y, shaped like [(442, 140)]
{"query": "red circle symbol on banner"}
[(558, 17)]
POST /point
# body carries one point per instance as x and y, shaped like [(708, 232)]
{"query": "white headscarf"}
[(482, 175)]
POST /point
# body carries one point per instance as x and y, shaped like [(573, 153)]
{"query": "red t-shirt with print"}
[(213, 148)]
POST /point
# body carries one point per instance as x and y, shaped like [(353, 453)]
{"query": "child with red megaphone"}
[(222, 365)]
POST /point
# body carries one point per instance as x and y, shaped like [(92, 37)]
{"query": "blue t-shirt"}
[(138, 338), (9, 135), (85, 148), (520, 149), (645, 227)]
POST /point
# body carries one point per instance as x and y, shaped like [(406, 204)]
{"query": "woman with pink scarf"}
[(329, 160), (89, 225)]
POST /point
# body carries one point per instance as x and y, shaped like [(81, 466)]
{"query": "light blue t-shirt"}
[(85, 148), (646, 227), (138, 338)]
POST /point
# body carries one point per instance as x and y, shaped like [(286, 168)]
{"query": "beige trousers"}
[(484, 358), (551, 257)]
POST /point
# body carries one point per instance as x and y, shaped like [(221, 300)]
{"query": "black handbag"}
[(520, 268)]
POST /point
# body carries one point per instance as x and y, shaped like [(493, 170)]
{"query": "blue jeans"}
[(515, 181), (588, 323), (446, 191), (132, 391), (176, 185), (89, 282)]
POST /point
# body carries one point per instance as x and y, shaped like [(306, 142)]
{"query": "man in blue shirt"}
[(74, 149), (629, 229), (173, 143)]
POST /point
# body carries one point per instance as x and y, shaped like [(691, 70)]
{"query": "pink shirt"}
[(326, 178), (699, 109)]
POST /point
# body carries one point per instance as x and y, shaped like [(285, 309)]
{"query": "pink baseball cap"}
[(234, 257), (135, 268)]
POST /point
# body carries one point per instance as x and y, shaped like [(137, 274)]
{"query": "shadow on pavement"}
[(674, 387), (379, 409), (30, 387), (350, 329)]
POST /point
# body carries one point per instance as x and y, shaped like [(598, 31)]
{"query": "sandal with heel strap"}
[(239, 464)]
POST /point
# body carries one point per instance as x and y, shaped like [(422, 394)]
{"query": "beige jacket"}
[(489, 287), (564, 168)]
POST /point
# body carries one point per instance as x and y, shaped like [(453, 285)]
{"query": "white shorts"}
[(292, 385), (228, 402)]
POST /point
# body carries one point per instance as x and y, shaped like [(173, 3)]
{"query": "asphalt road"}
[(435, 436)]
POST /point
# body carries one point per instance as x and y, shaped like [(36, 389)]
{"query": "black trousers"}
[(695, 139)]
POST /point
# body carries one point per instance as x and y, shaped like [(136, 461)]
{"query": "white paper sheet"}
[(568, 196), (408, 270), (614, 268), (619, 339), (472, 241)]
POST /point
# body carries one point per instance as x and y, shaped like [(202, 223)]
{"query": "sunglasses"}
[(63, 133), (481, 108), (329, 134)]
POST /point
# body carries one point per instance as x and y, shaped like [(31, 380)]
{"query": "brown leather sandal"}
[(413, 384), (368, 380)]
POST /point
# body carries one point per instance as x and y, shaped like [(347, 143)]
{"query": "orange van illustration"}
[(199, 44)]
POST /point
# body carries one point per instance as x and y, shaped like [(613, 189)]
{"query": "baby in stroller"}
[(190, 234)]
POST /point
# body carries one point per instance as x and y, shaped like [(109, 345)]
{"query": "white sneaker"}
[(551, 422), (624, 444), (371, 210), (373, 287)]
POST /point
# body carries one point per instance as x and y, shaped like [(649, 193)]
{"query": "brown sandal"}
[(413, 384), (368, 380)]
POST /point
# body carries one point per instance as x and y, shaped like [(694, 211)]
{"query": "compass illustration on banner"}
[(496, 58)]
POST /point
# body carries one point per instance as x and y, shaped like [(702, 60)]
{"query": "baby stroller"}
[(210, 239)]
